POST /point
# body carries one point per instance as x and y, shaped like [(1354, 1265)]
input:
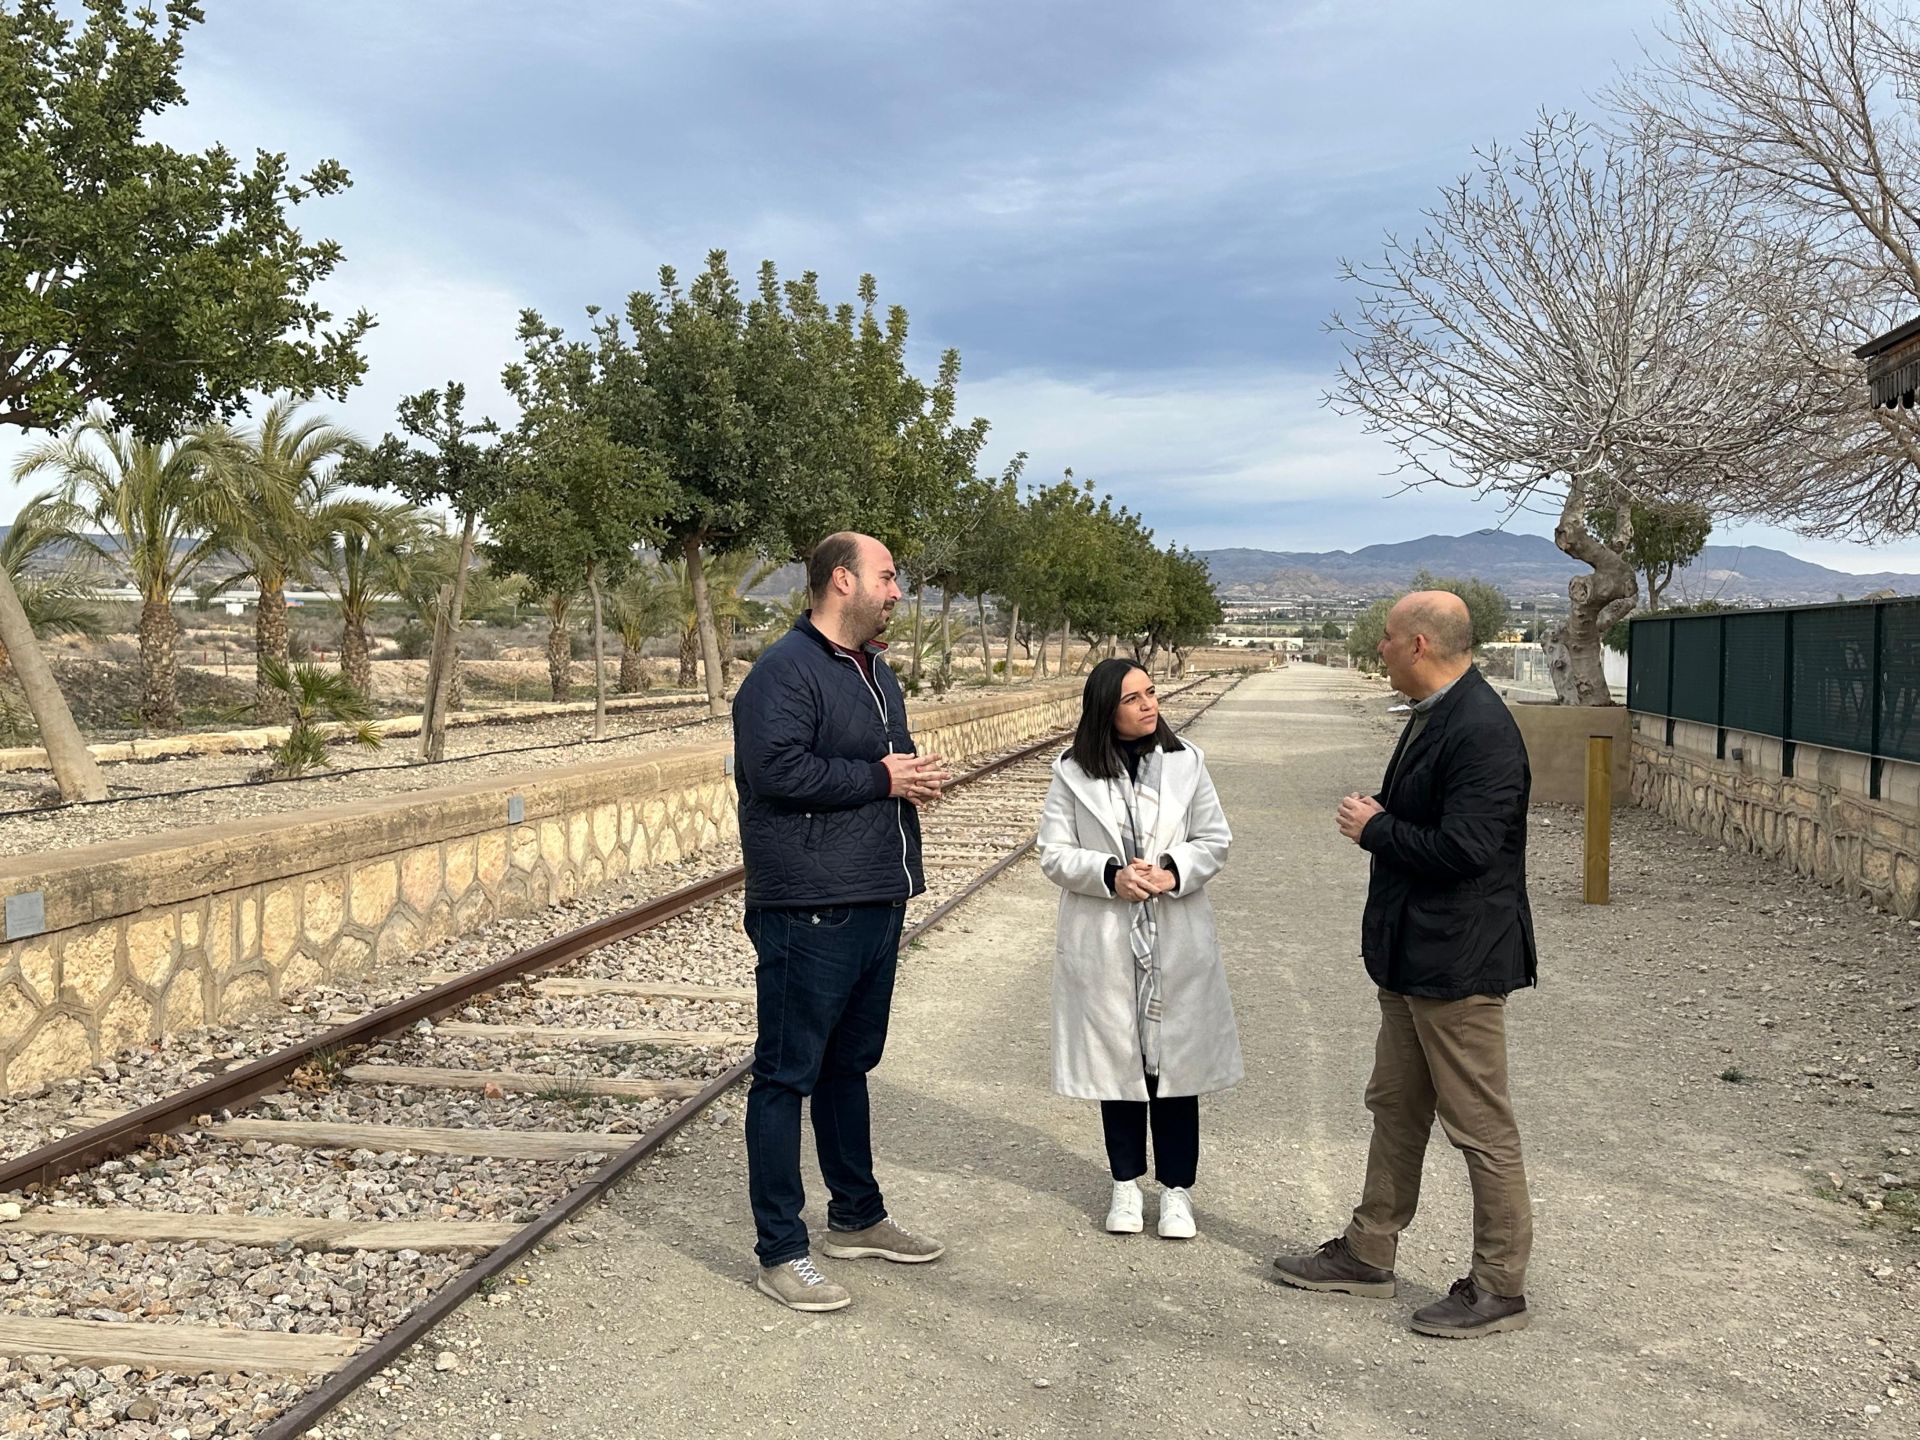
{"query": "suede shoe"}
[(1468, 1311), (798, 1286), (1334, 1268), (884, 1241)]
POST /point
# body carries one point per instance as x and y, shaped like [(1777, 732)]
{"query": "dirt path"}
[(1691, 1278)]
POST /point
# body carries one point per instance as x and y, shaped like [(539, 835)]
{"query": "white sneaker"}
[(1124, 1214), (1176, 1214)]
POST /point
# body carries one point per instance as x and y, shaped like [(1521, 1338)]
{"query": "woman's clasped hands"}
[(1141, 880)]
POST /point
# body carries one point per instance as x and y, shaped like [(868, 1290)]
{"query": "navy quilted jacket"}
[(809, 734)]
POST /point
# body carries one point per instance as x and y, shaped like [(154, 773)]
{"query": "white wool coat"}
[(1096, 1042)]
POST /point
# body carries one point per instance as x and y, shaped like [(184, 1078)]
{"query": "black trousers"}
[(1176, 1136)]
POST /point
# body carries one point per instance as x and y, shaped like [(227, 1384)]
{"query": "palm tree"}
[(311, 696), (729, 577), (167, 513), (641, 606), (367, 560), (54, 589), (284, 467)]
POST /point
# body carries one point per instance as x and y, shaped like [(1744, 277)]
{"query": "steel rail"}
[(392, 1343)]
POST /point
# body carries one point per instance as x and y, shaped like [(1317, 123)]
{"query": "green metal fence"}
[(1846, 677)]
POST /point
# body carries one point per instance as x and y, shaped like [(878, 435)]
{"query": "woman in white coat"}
[(1142, 1021)]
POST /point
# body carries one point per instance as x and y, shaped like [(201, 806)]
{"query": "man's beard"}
[(866, 619)]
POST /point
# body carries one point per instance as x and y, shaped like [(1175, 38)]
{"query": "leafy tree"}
[(713, 388), (574, 502), (285, 471), (1369, 628), (313, 698), (163, 285), (1666, 539), (1331, 631), (443, 459), (167, 513), (1487, 607)]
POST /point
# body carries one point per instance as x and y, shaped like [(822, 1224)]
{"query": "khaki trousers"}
[(1449, 1057)]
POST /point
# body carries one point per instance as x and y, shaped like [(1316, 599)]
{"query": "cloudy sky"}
[(1126, 216)]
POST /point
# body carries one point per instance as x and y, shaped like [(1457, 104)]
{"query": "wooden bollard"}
[(1599, 818)]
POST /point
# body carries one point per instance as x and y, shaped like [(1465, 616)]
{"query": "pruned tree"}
[(163, 285), (1582, 322), (1808, 105)]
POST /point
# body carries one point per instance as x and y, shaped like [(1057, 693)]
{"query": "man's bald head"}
[(1442, 617)]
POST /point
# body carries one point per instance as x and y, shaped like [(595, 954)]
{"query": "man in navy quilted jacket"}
[(829, 785)]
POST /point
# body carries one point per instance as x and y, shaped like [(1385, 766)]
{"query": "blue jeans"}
[(825, 988)]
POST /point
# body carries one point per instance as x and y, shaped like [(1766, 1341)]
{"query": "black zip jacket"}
[(1447, 913), (809, 735)]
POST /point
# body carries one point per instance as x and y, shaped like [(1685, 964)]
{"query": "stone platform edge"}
[(161, 933)]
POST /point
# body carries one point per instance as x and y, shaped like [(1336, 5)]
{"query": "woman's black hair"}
[(1096, 749)]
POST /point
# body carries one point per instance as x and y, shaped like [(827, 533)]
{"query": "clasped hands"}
[(917, 779), (1141, 880), (1354, 813)]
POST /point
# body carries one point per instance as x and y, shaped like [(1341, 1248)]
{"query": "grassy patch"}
[(1734, 1075)]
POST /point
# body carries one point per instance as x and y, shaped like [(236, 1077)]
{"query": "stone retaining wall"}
[(1819, 822), (148, 936)]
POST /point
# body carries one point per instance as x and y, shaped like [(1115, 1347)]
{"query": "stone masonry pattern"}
[(1855, 844)]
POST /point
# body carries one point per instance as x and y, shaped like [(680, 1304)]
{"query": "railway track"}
[(295, 1224)]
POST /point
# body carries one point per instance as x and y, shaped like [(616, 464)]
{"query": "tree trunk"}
[(1066, 633), (159, 696), (946, 631), (599, 658), (913, 670), (74, 768), (1596, 600), (690, 657), (703, 619), (356, 662), (446, 632), (725, 626), (1040, 653), (986, 650), (270, 707), (559, 656), (1013, 629), (453, 694), (633, 676)]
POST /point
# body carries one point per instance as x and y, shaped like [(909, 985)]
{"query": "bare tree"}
[(1812, 105), (1577, 327)]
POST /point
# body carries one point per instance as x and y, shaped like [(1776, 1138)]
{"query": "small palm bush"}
[(321, 704)]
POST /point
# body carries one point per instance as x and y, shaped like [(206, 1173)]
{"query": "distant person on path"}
[(829, 784), (1142, 1021), (1446, 937)]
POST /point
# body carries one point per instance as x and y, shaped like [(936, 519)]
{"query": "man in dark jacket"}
[(1447, 935), (829, 784)]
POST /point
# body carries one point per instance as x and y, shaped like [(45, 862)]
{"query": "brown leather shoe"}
[(1469, 1311), (1334, 1268)]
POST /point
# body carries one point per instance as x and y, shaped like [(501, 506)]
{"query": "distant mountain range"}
[(1528, 566)]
